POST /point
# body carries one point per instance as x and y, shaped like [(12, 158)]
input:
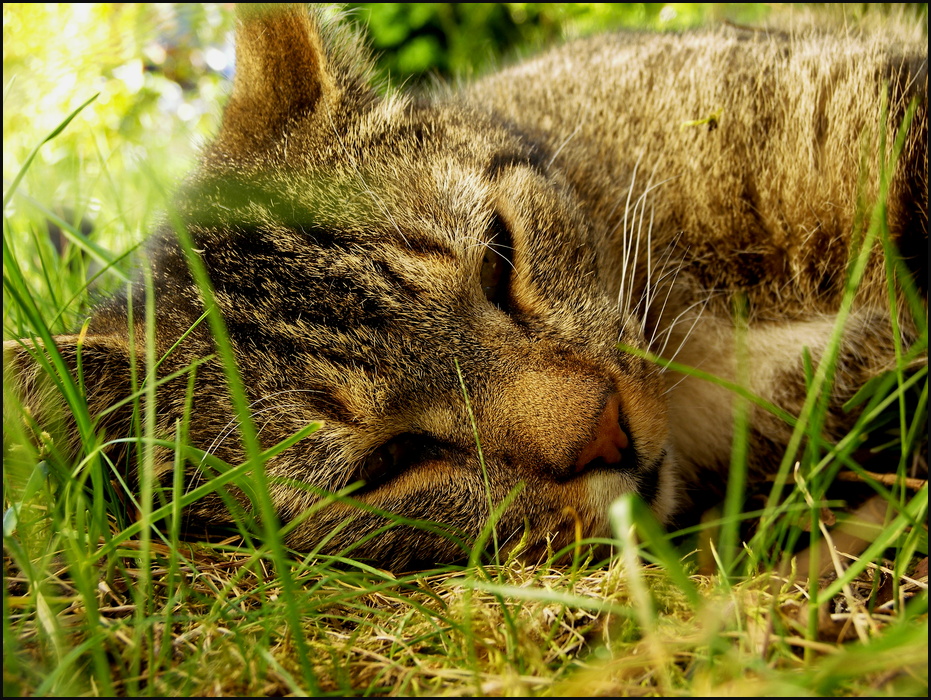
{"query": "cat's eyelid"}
[(396, 455)]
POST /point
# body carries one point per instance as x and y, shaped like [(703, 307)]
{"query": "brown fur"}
[(351, 241)]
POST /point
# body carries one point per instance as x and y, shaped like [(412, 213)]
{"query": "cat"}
[(469, 288)]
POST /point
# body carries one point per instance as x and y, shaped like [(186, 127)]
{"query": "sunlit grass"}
[(99, 601)]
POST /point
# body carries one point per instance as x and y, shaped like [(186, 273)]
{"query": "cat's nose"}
[(609, 440)]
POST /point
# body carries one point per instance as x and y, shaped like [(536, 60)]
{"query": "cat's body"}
[(419, 272)]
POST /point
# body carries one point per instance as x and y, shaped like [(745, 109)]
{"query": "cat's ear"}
[(290, 62), (53, 385)]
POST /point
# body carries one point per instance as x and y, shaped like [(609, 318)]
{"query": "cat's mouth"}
[(626, 462)]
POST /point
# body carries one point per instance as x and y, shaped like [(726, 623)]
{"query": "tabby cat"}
[(470, 288)]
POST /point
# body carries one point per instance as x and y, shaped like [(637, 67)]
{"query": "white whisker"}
[(631, 246), (564, 143), (234, 423), (703, 303), (669, 287), (625, 229)]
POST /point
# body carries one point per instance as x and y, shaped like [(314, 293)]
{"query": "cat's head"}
[(418, 276)]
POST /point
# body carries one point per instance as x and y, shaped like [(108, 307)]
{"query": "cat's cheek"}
[(442, 490), (661, 486)]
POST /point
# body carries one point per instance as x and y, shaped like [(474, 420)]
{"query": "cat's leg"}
[(768, 360)]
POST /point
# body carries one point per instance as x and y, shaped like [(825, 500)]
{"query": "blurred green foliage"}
[(459, 39), (146, 62)]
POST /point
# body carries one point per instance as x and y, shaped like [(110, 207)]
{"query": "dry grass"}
[(214, 624)]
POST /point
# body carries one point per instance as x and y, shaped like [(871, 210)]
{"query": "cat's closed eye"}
[(394, 457), (497, 264)]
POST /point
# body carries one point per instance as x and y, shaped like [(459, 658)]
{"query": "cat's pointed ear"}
[(289, 63), (86, 375)]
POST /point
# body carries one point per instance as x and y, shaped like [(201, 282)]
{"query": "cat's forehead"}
[(341, 265), (433, 145), (361, 204), (436, 178), (399, 169)]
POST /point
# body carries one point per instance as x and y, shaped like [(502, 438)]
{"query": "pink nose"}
[(608, 441)]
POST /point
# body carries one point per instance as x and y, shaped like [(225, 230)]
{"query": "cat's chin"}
[(581, 510), (655, 482)]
